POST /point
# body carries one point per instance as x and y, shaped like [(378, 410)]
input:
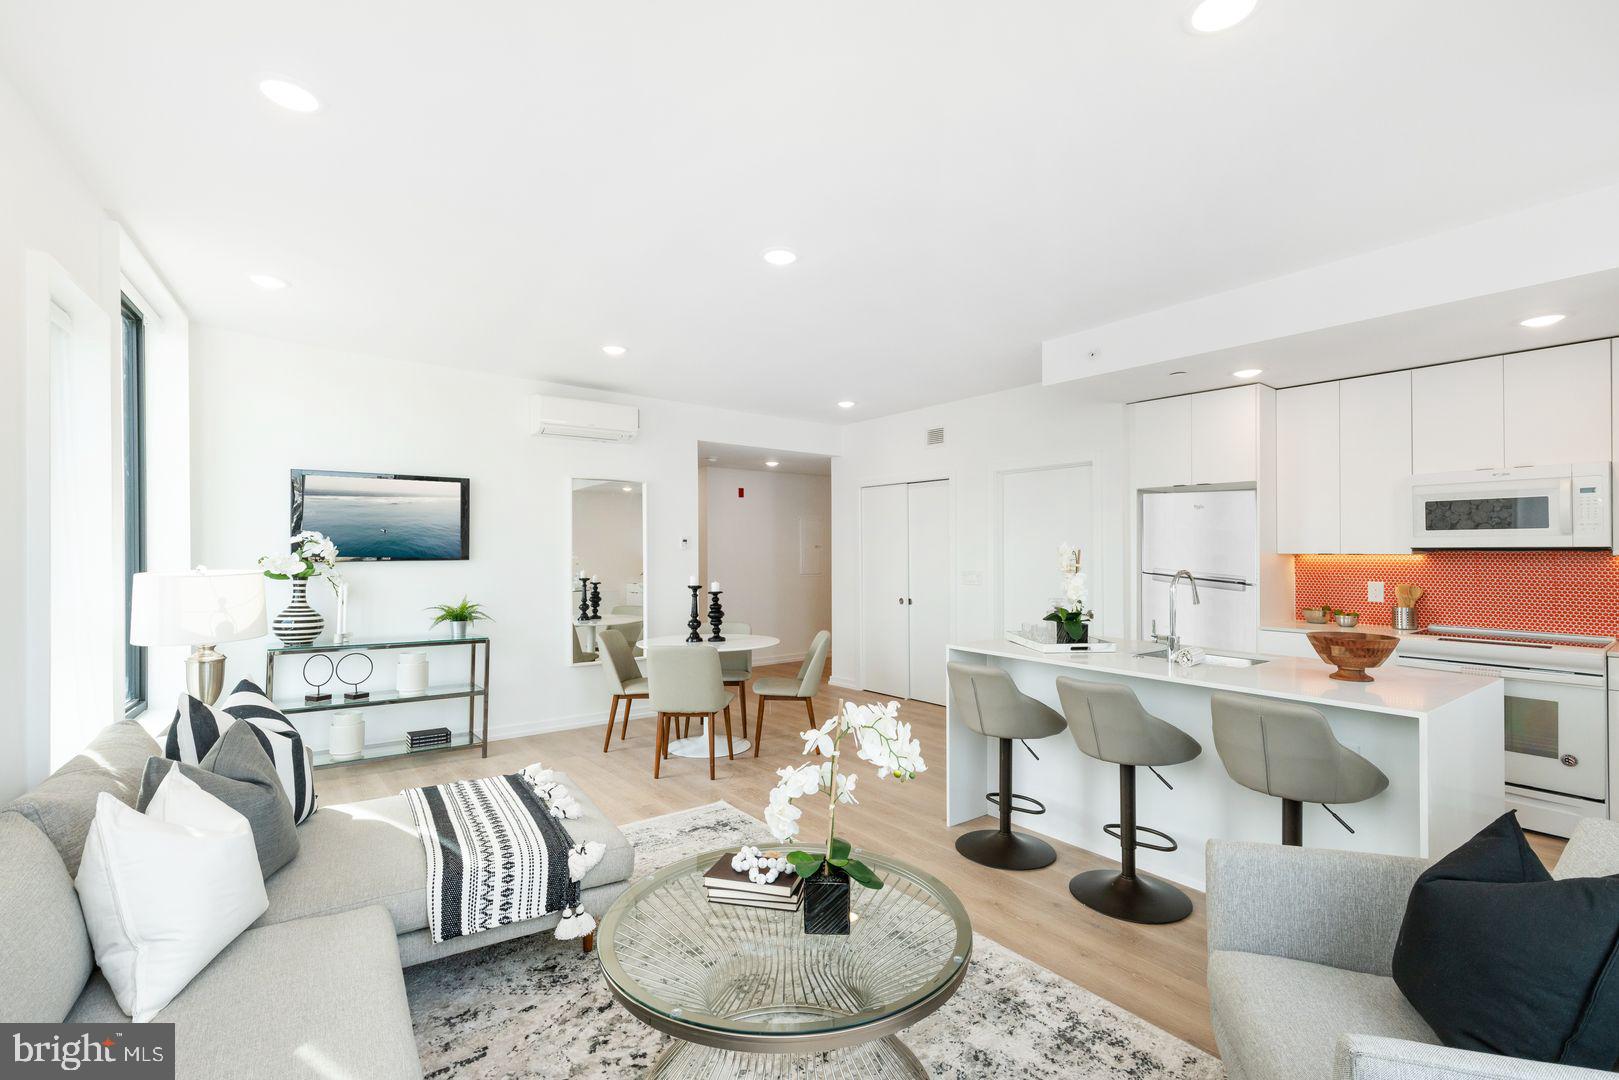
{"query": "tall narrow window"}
[(134, 497)]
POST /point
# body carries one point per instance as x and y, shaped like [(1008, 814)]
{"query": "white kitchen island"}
[(1438, 736)]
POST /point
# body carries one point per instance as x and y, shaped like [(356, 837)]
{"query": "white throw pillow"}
[(163, 892)]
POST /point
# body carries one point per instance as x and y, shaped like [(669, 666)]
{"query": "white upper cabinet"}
[(1210, 438), (1458, 417), (1374, 418), (1161, 443), (1225, 436), (1558, 405), (1307, 469)]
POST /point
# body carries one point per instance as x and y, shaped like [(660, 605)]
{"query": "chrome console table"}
[(472, 690)]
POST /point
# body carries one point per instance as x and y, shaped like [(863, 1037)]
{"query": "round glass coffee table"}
[(746, 993)]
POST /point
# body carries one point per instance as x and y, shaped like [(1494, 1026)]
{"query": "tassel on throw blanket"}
[(498, 853)]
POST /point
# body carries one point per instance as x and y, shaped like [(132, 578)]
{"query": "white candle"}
[(595, 581), (693, 580), (713, 586)]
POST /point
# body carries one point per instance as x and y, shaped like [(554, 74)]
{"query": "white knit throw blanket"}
[(498, 853)]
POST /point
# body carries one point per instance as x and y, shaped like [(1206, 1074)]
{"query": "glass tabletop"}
[(748, 978)]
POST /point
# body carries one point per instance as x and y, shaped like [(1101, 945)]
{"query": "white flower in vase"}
[(284, 566)]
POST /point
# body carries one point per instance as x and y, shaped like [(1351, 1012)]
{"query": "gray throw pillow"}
[(241, 775), (64, 803)]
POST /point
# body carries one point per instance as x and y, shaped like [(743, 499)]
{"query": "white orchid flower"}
[(821, 738), (782, 819), (288, 565)]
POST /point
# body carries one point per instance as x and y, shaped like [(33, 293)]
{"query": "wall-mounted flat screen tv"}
[(387, 517)]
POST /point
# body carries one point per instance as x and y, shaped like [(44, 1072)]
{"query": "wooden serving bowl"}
[(1352, 652)]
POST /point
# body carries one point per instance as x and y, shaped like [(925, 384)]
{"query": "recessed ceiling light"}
[(780, 257), (1212, 16), (845, 404), (771, 464), (628, 488), (289, 95), (1542, 320), (1246, 373), (1177, 373), (614, 350), (267, 281)]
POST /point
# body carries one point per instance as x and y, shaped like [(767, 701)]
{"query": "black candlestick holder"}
[(716, 614), (595, 600), (694, 624), (584, 599)]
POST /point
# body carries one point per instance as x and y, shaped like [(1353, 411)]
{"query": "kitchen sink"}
[(1209, 658)]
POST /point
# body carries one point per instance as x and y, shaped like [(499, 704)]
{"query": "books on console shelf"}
[(426, 737)]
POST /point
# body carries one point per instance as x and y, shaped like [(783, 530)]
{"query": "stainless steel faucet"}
[(1174, 641)]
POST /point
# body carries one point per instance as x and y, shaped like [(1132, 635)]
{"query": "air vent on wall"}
[(935, 436)]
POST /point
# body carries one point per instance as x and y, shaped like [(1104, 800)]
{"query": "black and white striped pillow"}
[(197, 726)]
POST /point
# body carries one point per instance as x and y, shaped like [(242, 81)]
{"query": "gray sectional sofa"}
[(313, 989), (1301, 943)]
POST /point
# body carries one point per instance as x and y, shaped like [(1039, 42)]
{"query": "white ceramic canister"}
[(348, 736), (412, 673)]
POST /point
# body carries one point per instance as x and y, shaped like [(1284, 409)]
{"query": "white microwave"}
[(1534, 506)]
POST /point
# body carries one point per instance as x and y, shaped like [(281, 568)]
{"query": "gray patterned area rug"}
[(536, 1007)]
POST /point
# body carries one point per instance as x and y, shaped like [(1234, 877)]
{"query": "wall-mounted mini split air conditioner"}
[(571, 418)]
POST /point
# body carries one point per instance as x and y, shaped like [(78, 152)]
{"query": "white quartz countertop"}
[(1299, 626), (1397, 690)]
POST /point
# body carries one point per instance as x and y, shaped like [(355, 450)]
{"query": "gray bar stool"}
[(988, 702), (1287, 750), (1109, 724)]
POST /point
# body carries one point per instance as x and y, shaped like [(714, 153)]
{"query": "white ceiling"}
[(509, 185), (724, 456)]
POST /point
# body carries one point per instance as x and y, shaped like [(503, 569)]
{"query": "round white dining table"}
[(697, 745)]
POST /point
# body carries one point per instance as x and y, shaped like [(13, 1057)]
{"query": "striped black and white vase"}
[(298, 623)]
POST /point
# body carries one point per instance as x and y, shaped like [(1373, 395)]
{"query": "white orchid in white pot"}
[(881, 738)]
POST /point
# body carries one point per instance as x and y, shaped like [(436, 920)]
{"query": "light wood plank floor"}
[(1156, 972)]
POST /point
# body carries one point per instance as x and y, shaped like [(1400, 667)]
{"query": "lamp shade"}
[(197, 607)]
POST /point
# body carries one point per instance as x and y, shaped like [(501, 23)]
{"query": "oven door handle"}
[(1592, 680)]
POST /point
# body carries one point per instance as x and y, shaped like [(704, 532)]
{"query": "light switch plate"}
[(1374, 592)]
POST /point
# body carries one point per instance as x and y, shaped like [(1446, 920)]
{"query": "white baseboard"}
[(778, 658), (844, 683), (500, 732)]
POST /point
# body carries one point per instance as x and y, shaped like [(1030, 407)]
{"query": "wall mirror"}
[(608, 574)]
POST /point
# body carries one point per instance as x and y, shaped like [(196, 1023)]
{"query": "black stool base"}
[(1134, 899), (1005, 851)]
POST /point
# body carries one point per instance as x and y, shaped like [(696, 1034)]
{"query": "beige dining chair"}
[(737, 667), (624, 679), (801, 687), (631, 631), (686, 683)]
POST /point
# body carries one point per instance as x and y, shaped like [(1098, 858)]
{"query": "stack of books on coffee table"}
[(427, 738), (726, 886)]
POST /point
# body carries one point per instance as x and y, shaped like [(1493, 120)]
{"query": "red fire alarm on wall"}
[(741, 494)]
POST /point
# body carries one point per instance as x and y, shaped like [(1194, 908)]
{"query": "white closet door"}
[(885, 620), (928, 598)]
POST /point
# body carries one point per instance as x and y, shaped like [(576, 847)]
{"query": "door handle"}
[(900, 600), (908, 600)]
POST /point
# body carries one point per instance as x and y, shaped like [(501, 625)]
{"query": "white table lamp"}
[(200, 608)]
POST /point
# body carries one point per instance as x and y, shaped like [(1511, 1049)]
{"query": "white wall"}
[(1030, 427), (753, 553), (262, 407), (49, 212)]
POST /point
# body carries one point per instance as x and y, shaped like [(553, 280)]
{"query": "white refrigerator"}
[(1214, 535)]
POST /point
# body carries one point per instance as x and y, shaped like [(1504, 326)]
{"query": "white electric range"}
[(1556, 733)]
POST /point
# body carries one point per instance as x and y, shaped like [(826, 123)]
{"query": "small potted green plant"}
[(460, 616)]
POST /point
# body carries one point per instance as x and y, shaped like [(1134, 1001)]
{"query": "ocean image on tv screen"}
[(371, 517)]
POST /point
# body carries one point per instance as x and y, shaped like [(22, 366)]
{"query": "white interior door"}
[(927, 599), (884, 621), (1041, 509)]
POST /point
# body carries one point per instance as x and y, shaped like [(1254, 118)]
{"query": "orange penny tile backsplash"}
[(1570, 592)]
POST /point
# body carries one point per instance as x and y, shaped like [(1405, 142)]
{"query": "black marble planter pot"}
[(826, 902)]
